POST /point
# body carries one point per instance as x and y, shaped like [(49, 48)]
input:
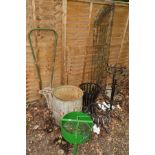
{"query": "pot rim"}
[(70, 86)]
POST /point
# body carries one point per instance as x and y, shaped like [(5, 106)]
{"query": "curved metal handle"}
[(34, 57), (48, 94)]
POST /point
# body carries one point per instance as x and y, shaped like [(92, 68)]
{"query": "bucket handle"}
[(48, 94)]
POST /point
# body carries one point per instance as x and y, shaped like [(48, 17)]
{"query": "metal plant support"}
[(118, 73), (101, 44), (102, 30), (119, 92), (34, 55)]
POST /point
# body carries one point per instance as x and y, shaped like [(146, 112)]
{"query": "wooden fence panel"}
[(73, 21)]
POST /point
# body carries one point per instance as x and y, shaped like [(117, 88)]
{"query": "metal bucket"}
[(66, 99)]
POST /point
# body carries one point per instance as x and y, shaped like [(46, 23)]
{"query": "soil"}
[(44, 138), (64, 93)]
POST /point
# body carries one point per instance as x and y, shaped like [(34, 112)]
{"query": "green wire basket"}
[(76, 128)]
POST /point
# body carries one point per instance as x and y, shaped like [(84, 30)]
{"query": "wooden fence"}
[(72, 19)]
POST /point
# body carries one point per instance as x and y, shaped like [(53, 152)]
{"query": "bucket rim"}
[(70, 86)]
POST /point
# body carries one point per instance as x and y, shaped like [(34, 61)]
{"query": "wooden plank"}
[(121, 14), (123, 38), (64, 23), (102, 2), (34, 22), (77, 35), (86, 51)]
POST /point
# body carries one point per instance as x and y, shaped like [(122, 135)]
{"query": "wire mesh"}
[(101, 44)]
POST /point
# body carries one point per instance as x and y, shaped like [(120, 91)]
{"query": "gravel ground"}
[(43, 136)]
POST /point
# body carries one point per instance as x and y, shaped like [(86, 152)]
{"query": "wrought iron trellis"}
[(118, 96), (118, 74), (101, 72), (101, 44)]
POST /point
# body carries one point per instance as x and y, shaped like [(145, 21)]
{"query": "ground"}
[(43, 136)]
